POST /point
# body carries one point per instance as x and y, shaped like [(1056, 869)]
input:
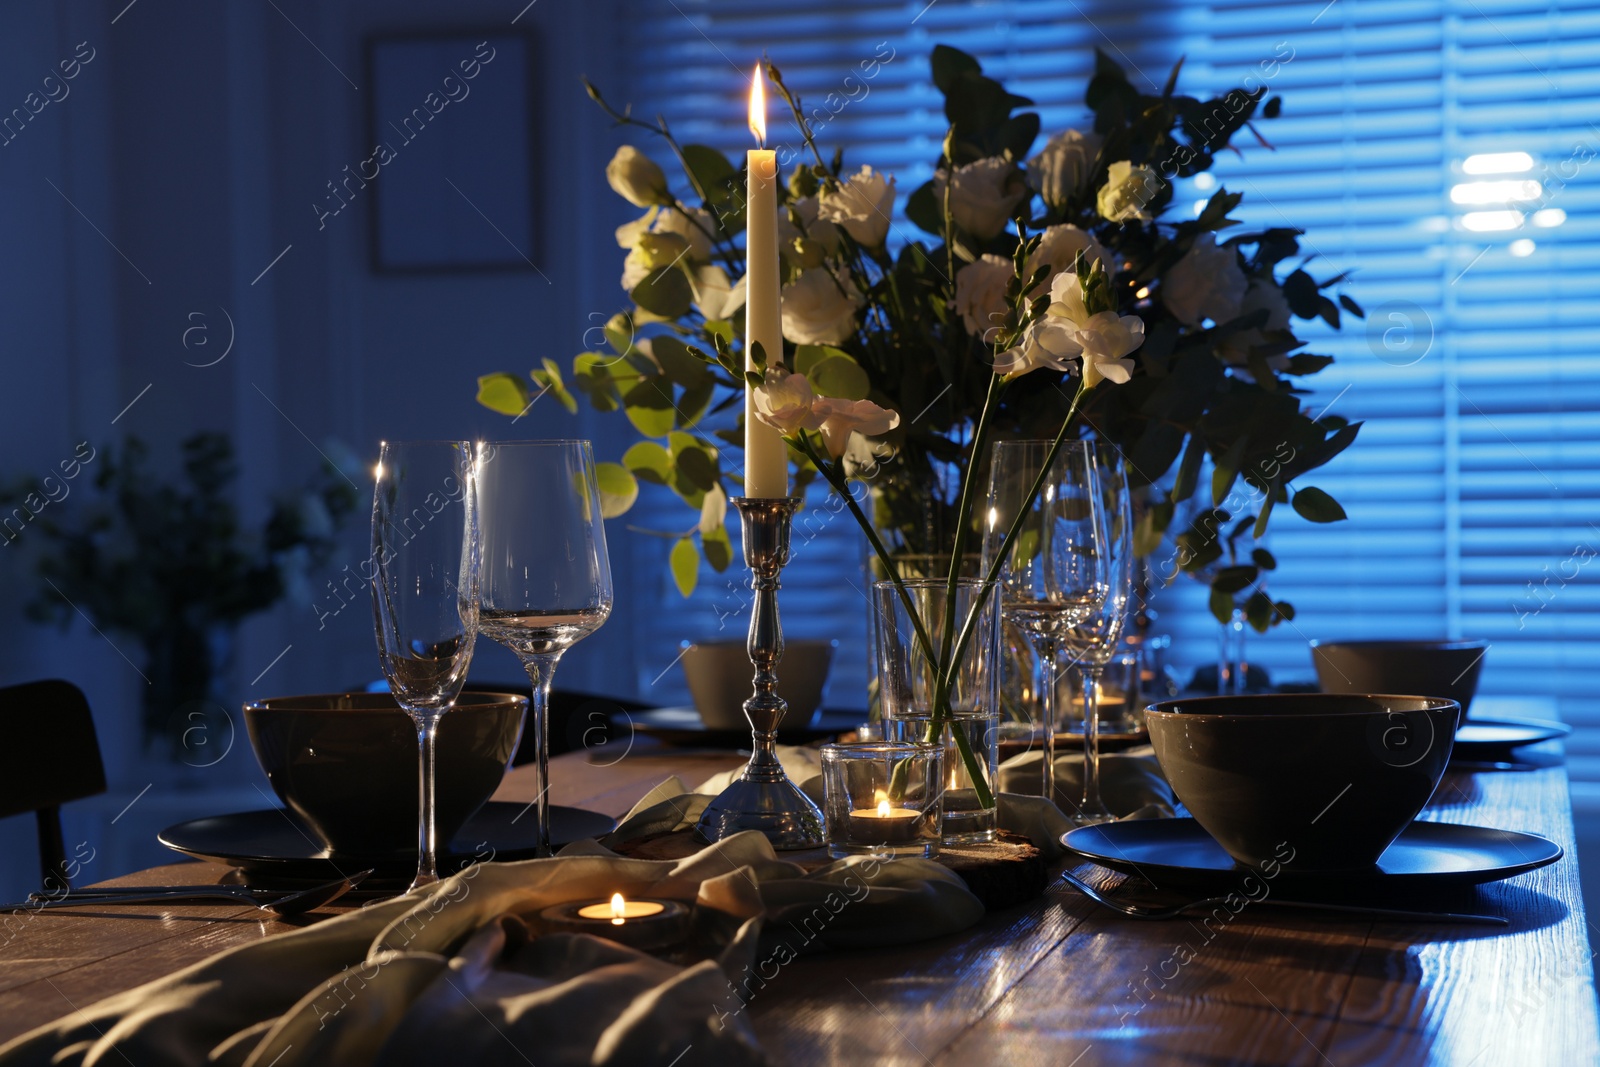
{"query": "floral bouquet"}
[(1047, 298)]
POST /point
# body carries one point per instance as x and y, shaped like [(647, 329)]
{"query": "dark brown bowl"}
[(1447, 669), (346, 763), (1321, 781)]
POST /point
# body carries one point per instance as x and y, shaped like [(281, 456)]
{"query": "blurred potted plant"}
[(170, 564)]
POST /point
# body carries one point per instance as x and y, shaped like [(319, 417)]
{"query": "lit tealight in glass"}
[(882, 797), (619, 910), (641, 924)]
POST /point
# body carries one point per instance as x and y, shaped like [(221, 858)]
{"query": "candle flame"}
[(883, 809), (619, 908), (758, 108)]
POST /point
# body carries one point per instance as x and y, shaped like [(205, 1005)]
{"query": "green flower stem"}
[(1017, 523), (963, 526), (941, 711)]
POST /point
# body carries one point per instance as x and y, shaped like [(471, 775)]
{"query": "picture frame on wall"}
[(450, 172)]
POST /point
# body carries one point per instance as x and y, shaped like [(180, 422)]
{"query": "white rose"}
[(982, 195), (862, 205), (1064, 166), (819, 309), (696, 227), (1048, 342), (636, 178), (713, 294), (713, 511), (1207, 283), (821, 238), (981, 294), (1058, 249), (1235, 350), (1127, 192), (1106, 338), (838, 419), (784, 400)]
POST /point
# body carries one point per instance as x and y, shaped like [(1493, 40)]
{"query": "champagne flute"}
[(546, 575), (425, 596), (1055, 575), (1093, 640)]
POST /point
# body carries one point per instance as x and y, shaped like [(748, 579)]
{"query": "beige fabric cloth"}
[(451, 975), (1131, 782)]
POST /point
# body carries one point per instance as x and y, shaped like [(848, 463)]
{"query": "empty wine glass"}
[(1091, 642), (1055, 575), (546, 575), (425, 596)]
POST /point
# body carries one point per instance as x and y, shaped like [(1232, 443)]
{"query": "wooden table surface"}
[(1057, 981)]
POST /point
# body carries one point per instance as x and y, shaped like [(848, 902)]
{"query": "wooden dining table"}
[(1058, 980)]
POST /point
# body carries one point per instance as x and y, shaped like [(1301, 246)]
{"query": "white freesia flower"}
[(862, 205), (839, 419), (784, 400), (1127, 192), (1047, 342), (713, 511), (635, 269), (636, 178), (864, 457), (982, 195), (1106, 339), (807, 244), (696, 228), (628, 233), (1058, 249), (819, 309), (713, 294), (1207, 283), (1064, 166), (1066, 298), (1235, 350), (981, 294)]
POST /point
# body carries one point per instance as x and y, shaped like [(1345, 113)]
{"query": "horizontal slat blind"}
[(1474, 488)]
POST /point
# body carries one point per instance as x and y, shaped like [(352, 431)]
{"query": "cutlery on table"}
[(1148, 911), (293, 902)]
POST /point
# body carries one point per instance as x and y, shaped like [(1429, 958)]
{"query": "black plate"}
[(1426, 854), (682, 726), (273, 842), (1479, 738)]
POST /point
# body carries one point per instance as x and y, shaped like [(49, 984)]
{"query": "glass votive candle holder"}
[(883, 797)]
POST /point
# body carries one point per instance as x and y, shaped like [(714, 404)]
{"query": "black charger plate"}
[(1426, 855), (273, 843), (1489, 738)]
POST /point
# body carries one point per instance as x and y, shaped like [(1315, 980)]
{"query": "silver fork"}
[(1148, 911)]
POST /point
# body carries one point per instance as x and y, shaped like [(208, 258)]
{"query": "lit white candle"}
[(766, 457)]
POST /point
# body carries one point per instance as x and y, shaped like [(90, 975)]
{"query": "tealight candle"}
[(641, 924), (882, 797), (884, 824)]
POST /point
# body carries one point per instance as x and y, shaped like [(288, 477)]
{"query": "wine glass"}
[(1091, 643), (1055, 575), (425, 596), (546, 576)]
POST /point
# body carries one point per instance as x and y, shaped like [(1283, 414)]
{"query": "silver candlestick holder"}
[(762, 797)]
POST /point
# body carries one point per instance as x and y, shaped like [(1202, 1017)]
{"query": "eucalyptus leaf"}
[(717, 548), (841, 378), (664, 292), (618, 489), (503, 393), (649, 406), (1316, 506), (685, 565), (649, 461)]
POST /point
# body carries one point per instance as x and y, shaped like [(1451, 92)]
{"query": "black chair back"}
[(50, 756)]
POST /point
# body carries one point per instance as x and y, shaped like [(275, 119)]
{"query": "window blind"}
[(1444, 151)]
